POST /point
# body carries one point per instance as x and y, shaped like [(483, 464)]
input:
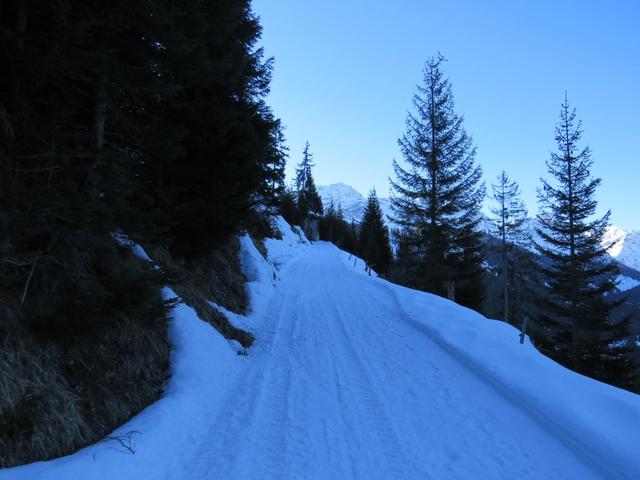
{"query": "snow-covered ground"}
[(354, 377)]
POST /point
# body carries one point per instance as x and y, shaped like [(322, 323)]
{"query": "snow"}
[(351, 201), (123, 240), (625, 246), (626, 283), (354, 377), (614, 236), (168, 428)]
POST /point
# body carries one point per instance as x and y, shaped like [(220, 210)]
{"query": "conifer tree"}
[(509, 219), (334, 228), (327, 227), (212, 149), (373, 242), (437, 195), (272, 188), (309, 201), (579, 331)]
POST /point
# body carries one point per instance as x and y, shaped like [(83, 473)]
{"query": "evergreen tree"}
[(350, 236), (437, 196), (272, 187), (333, 228), (212, 148), (509, 219), (373, 242), (577, 315), (309, 201), (68, 159), (327, 225), (288, 207), (140, 117)]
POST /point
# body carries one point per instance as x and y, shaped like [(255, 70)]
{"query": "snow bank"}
[(292, 244), (202, 365), (261, 278), (599, 422), (123, 240)]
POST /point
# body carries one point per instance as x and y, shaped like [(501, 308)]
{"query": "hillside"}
[(354, 377)]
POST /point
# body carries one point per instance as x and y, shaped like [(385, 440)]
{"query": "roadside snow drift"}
[(354, 377)]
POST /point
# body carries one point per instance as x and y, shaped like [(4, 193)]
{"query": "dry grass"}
[(55, 399), (88, 351), (70, 380)]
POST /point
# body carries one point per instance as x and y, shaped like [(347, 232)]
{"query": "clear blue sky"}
[(345, 72)]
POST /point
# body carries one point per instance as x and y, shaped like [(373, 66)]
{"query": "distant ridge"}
[(626, 249), (350, 200)]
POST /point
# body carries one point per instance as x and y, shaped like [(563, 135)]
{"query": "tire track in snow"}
[(338, 386), (370, 410)]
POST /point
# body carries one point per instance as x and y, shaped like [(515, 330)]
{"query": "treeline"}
[(302, 205), (142, 119), (563, 290)]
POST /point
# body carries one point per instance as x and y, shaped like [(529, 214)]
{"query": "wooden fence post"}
[(523, 330)]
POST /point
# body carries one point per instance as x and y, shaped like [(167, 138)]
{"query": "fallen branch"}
[(127, 442)]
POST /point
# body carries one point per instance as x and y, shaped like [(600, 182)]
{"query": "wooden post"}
[(523, 330), (451, 290)]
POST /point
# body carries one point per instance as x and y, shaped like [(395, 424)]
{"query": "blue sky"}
[(345, 72)]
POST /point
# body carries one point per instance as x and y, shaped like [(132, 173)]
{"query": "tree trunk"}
[(504, 253), (21, 25), (20, 33), (451, 290), (101, 103), (506, 290)]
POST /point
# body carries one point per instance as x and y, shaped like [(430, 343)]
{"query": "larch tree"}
[(437, 195)]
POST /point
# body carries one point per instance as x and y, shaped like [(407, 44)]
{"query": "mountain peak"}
[(349, 199)]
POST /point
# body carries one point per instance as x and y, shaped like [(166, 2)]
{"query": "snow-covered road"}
[(342, 385)]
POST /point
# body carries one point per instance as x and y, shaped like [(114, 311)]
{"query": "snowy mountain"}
[(350, 200), (623, 246), (354, 377), (626, 248)]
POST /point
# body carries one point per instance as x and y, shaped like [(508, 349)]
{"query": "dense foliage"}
[(373, 238), (139, 118), (333, 228)]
